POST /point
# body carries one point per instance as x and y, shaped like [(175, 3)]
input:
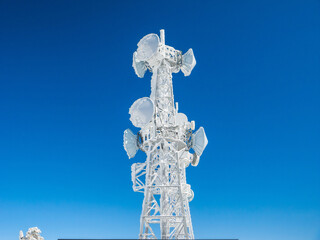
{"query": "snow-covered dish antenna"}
[(166, 137), (130, 143), (148, 47), (188, 62), (141, 112), (199, 141)]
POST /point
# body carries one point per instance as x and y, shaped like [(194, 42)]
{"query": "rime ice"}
[(166, 137), (32, 234)]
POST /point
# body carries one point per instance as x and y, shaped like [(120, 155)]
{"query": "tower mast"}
[(166, 138)]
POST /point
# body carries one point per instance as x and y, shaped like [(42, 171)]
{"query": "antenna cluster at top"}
[(152, 51)]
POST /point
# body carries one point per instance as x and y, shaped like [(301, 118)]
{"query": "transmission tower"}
[(166, 136)]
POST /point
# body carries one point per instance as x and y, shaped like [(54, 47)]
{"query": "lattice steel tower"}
[(166, 137)]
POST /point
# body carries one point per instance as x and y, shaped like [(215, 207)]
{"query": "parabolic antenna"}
[(130, 143), (147, 47), (186, 189), (181, 119), (141, 112), (138, 66), (199, 141), (188, 62)]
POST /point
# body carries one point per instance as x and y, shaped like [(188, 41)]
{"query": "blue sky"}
[(66, 84)]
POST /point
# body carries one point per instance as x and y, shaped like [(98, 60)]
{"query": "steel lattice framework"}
[(166, 137)]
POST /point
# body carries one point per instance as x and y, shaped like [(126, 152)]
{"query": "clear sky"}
[(66, 84)]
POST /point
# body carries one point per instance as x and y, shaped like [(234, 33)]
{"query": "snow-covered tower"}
[(166, 136)]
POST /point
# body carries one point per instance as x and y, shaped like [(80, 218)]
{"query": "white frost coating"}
[(32, 234), (187, 191), (166, 138), (147, 47), (188, 62), (199, 141), (195, 160), (153, 86), (130, 143), (181, 119), (138, 66), (141, 112)]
